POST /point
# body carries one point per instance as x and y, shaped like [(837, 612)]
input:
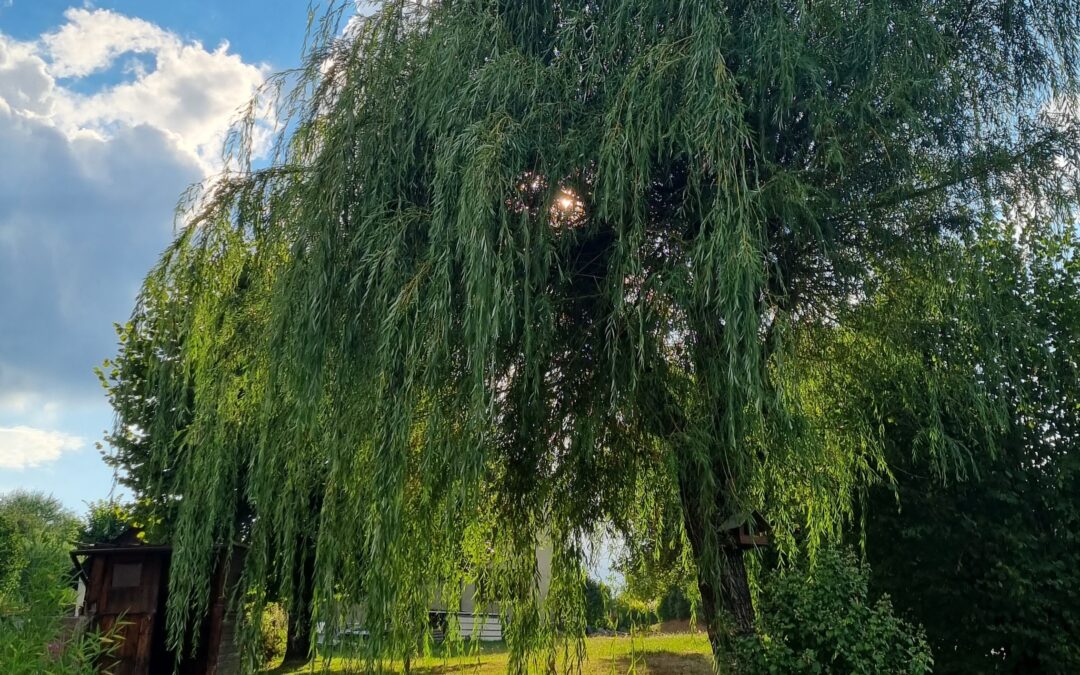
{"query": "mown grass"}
[(666, 654)]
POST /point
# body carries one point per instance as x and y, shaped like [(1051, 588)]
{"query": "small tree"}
[(136, 384), (12, 561), (36, 534), (39, 532), (598, 597)]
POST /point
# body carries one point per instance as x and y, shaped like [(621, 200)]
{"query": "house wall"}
[(543, 567), (482, 627)]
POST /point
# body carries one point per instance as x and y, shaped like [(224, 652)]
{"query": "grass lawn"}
[(667, 654)]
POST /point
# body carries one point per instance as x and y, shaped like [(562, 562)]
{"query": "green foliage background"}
[(39, 591), (987, 556), (273, 626)]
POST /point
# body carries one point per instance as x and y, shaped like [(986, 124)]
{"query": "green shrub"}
[(273, 632), (628, 613), (105, 521), (38, 592), (12, 560), (597, 599), (607, 610), (676, 604), (821, 620)]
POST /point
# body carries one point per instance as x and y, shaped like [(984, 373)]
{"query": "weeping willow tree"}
[(517, 271)]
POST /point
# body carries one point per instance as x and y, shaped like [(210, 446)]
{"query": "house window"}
[(127, 575)]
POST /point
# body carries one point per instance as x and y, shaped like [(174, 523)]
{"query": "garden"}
[(770, 310)]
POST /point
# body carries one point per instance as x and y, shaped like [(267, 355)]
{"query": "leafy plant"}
[(273, 630), (822, 619), (38, 634), (104, 521)]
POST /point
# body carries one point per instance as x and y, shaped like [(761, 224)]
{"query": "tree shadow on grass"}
[(359, 668), (459, 669), (652, 662), (662, 663)]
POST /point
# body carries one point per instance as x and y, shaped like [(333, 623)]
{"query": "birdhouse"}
[(748, 530)]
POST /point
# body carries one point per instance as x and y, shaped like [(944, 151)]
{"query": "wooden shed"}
[(123, 588)]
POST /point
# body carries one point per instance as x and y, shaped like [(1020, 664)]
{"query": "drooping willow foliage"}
[(516, 269)]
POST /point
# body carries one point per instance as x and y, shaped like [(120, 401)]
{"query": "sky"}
[(109, 110)]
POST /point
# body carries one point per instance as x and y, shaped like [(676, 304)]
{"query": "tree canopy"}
[(516, 269)]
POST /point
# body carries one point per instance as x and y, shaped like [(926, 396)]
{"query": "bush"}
[(821, 620), (628, 613), (273, 633), (37, 591), (989, 565), (12, 561), (105, 521), (675, 604), (607, 610), (597, 599)]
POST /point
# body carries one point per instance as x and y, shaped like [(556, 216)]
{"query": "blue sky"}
[(108, 111)]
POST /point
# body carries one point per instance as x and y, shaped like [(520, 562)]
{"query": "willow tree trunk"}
[(298, 643), (298, 638), (726, 606), (727, 609)]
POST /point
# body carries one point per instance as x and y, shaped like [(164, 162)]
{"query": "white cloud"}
[(92, 39), (191, 93), (81, 221), (175, 98), (25, 86), (103, 124), (29, 408), (90, 172), (23, 447)]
